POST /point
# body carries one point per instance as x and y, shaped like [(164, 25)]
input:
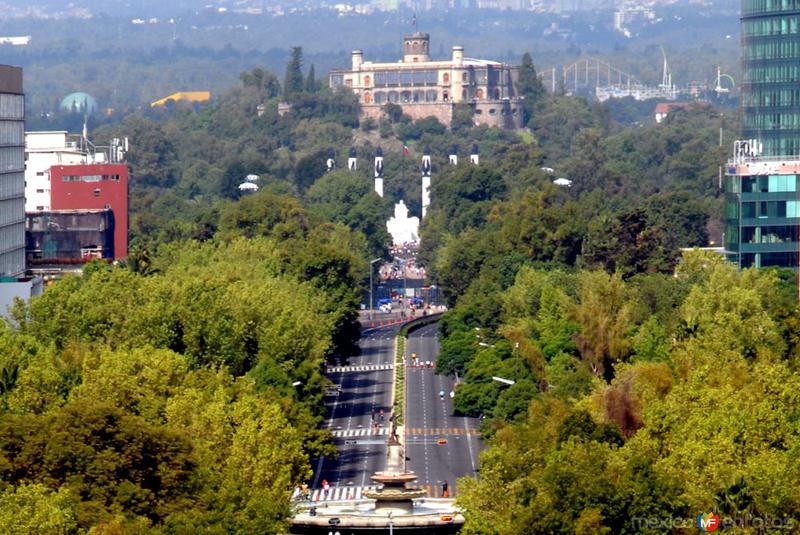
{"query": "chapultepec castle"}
[(424, 87)]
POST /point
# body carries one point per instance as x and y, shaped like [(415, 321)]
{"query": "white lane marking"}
[(363, 368), (362, 432)]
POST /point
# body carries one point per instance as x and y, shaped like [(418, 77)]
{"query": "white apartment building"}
[(42, 151)]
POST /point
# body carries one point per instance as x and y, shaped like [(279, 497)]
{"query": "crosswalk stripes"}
[(336, 494), (365, 368), (436, 431), (363, 432)]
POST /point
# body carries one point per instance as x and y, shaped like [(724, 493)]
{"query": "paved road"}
[(366, 383), (429, 419)]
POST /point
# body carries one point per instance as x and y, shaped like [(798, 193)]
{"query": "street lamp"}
[(371, 262)]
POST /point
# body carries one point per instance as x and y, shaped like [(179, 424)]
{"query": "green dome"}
[(79, 102)]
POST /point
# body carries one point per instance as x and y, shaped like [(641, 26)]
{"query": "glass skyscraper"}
[(762, 208), (12, 173), (771, 75)]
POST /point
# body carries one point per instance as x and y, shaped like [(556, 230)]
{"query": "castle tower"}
[(357, 58), (416, 47), (426, 181), (379, 171)]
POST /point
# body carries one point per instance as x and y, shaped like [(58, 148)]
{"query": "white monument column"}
[(352, 160), (454, 155), (330, 163), (379, 171), (426, 181)]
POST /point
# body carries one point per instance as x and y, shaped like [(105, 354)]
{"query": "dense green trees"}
[(653, 398), (168, 400)]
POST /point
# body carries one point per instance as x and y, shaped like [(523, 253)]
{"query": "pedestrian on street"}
[(444, 489), (325, 488)]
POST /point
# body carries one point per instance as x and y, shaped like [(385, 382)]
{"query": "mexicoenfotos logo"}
[(707, 522)]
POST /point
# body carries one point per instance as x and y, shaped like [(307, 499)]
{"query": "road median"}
[(401, 343)]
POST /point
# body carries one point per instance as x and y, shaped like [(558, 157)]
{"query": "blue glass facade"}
[(771, 75)]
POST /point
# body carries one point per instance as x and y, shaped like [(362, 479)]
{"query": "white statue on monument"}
[(403, 229)]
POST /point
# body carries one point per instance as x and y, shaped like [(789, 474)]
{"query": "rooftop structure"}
[(189, 96), (46, 149), (425, 87)]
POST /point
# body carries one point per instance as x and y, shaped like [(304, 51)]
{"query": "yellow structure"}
[(191, 96)]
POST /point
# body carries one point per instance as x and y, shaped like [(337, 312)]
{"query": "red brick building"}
[(94, 187)]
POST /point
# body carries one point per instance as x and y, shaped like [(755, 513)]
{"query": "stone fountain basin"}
[(394, 477)]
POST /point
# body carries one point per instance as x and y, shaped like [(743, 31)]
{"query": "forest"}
[(181, 391)]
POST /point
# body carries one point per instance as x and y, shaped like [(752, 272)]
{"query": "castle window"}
[(367, 80), (367, 98), (446, 78), (464, 77), (479, 94)]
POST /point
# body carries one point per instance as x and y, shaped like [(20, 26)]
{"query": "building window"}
[(445, 96), (97, 192), (479, 94), (39, 173), (464, 77), (367, 98), (40, 208), (446, 78), (367, 80), (107, 207), (348, 83)]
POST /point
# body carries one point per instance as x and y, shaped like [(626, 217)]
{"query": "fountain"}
[(393, 496), (389, 508)]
